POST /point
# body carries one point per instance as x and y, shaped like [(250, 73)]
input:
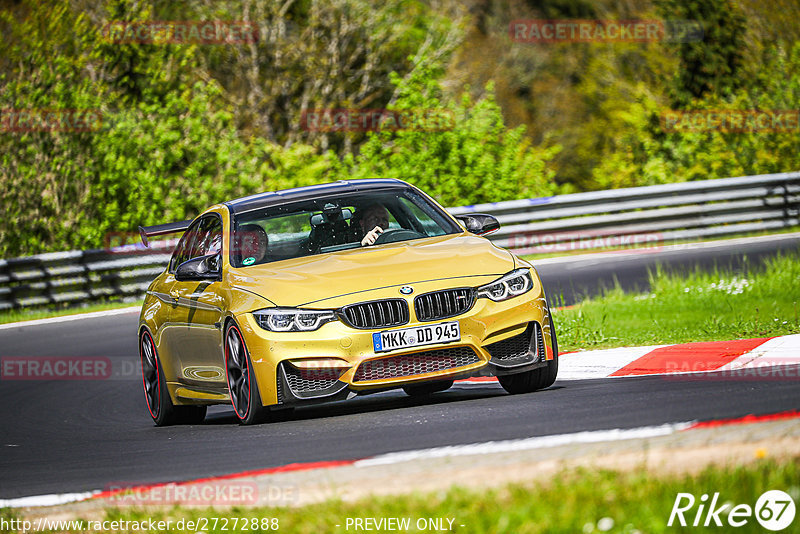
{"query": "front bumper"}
[(337, 361)]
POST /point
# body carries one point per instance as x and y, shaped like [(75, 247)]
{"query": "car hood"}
[(313, 279)]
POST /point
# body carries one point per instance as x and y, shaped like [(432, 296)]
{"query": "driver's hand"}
[(371, 236)]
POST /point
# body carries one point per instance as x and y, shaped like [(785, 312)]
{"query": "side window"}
[(202, 238), (428, 224), (209, 238), (215, 236), (181, 253)]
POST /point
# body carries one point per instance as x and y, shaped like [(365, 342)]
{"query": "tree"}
[(468, 157), (713, 64)]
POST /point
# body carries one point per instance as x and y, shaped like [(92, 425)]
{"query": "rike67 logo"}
[(774, 510)]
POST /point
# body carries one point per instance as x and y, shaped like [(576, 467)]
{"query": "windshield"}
[(333, 223)]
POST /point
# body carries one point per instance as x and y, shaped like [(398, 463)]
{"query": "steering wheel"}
[(397, 234)]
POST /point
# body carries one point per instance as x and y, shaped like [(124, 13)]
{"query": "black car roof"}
[(263, 200)]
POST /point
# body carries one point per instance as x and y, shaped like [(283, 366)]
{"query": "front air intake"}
[(376, 314), (419, 363), (443, 304), (527, 347)]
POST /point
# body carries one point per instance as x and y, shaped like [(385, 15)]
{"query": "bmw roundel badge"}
[(406, 290)]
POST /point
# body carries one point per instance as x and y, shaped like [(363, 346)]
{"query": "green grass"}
[(699, 306), (574, 501), (14, 316)]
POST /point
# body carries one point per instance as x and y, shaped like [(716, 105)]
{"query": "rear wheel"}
[(534, 379), (156, 394), (242, 385), (427, 388)]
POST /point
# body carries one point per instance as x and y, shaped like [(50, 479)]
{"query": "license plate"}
[(416, 336)]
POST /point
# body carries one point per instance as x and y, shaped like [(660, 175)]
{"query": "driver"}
[(251, 244), (374, 221)]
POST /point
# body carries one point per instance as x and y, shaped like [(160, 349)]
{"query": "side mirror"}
[(202, 268), (479, 223)]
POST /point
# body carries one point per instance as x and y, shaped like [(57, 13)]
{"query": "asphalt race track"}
[(69, 436)]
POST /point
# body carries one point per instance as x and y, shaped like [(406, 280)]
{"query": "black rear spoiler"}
[(161, 229)]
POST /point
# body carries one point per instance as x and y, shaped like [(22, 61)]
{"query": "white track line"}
[(73, 317), (46, 500), (489, 447), (515, 445)]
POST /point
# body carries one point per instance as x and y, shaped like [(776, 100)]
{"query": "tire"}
[(427, 388), (156, 395), (535, 379), (242, 385)]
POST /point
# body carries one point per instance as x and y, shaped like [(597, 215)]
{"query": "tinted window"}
[(333, 223), (208, 239), (203, 237), (181, 251)]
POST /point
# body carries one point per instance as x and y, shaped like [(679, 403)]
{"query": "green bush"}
[(169, 145), (647, 154), (186, 126)]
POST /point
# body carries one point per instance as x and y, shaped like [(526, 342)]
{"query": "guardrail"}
[(650, 215), (76, 276), (640, 215)]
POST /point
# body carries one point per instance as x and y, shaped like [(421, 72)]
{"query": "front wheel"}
[(156, 394), (242, 385), (540, 378)]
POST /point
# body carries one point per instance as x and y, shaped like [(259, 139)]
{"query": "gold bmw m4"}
[(326, 292)]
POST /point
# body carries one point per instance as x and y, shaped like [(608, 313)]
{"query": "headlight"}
[(511, 285), (292, 319)]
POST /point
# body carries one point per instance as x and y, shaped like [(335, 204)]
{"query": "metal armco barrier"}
[(645, 215), (78, 276), (639, 215)]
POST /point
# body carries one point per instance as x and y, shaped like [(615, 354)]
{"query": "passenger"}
[(251, 244)]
